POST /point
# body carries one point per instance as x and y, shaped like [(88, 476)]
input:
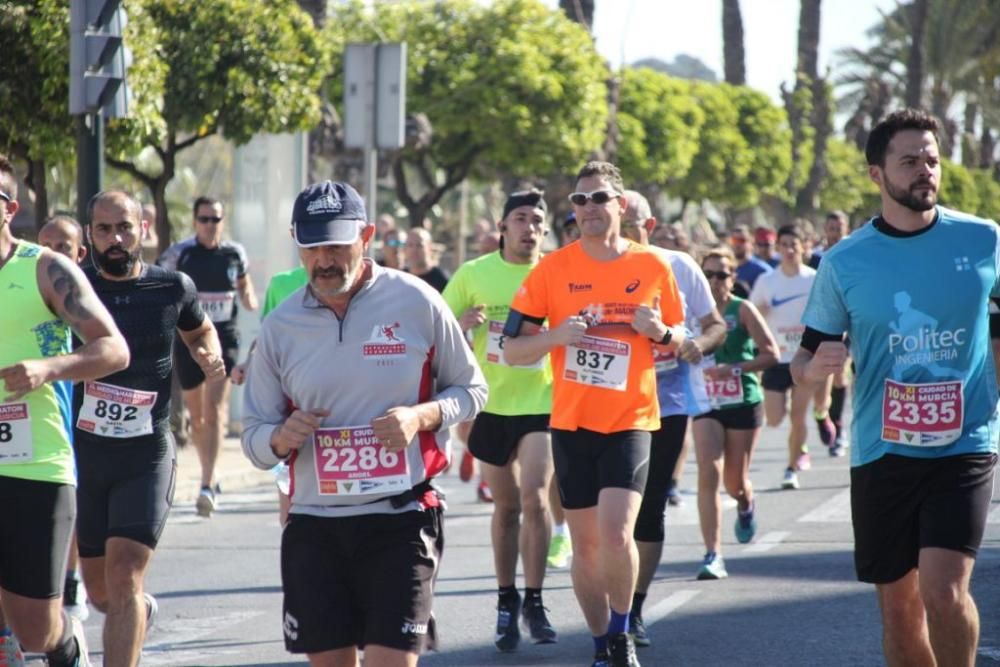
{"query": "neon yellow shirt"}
[(34, 436), (489, 280)]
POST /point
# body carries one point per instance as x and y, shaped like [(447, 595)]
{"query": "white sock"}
[(559, 529)]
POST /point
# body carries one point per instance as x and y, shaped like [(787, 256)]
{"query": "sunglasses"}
[(6, 197), (599, 197), (206, 219), (718, 275), (395, 243)]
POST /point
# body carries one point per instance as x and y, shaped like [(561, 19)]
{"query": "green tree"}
[(233, 67), (764, 126), (958, 188), (989, 194), (847, 186), (511, 87)]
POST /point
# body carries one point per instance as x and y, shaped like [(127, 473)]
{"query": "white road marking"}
[(990, 652), (667, 606), (766, 542), (179, 634), (835, 510)]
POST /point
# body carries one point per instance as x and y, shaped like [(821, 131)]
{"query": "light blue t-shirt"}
[(915, 308)]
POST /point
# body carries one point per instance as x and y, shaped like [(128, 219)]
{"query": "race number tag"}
[(598, 362), (494, 347), (724, 391), (15, 434), (218, 306), (789, 339), (922, 415), (116, 412), (664, 361), (350, 461)]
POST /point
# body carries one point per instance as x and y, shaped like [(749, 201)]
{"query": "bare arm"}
[(205, 348), (68, 294), (713, 332), (247, 295), (531, 343), (810, 369)]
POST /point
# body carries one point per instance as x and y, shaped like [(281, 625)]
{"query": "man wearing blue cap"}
[(355, 381)]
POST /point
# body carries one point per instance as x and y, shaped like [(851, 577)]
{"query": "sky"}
[(662, 29)]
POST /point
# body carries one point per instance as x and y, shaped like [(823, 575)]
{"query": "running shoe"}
[(621, 651), (83, 659), (483, 493), (746, 525), (75, 598), (840, 444), (804, 462), (601, 659), (827, 430), (712, 567), (560, 551), (468, 466), (790, 480), (206, 502), (637, 628), (536, 623), (10, 651), (507, 636), (152, 609)]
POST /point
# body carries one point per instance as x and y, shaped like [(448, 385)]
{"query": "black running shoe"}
[(536, 623), (508, 636), (621, 650), (638, 630)]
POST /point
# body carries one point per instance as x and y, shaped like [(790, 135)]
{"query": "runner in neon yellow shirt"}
[(514, 423)]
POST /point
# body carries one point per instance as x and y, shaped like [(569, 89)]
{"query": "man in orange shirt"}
[(608, 301)]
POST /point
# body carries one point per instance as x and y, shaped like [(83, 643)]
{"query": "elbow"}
[(119, 356)]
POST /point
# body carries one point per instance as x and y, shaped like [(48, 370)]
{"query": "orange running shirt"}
[(606, 383)]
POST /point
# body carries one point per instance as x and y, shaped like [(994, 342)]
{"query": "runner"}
[(372, 395), (780, 296), (725, 437), (910, 289), (681, 390), (219, 271), (510, 437), (603, 298), (124, 451), (749, 266), (44, 295)]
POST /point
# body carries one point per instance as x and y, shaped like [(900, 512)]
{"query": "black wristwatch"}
[(667, 337)]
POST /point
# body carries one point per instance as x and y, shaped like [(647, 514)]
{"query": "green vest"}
[(737, 347), (34, 430)]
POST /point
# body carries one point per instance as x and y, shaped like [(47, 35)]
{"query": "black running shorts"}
[(901, 505), (123, 491), (777, 378), (742, 418), (187, 369), (494, 438), (664, 450), (588, 461), (37, 524), (353, 581)]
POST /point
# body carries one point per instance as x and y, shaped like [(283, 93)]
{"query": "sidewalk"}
[(233, 471)]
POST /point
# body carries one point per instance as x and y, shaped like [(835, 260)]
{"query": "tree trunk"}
[(809, 39), (733, 52), (807, 200), (915, 62), (987, 148), (970, 156), (37, 182), (609, 148), (581, 11)]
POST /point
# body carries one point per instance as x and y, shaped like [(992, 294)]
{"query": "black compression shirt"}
[(216, 273), (148, 311)]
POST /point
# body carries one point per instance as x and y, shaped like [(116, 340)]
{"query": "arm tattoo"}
[(68, 290)]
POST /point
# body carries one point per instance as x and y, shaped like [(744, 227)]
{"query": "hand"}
[(646, 321), (239, 374), (24, 377), (830, 358), (571, 331), (396, 428), (211, 364), (297, 430), (690, 351), (472, 317)]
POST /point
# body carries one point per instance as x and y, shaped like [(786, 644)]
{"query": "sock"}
[(68, 651), (637, 601), (618, 624), (820, 416), (559, 529), (837, 397), (600, 643), (507, 594), (748, 510), (532, 595)]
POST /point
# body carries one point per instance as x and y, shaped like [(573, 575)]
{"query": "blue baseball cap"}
[(328, 213)]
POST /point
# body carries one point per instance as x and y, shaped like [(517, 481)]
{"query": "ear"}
[(367, 233), (650, 225), (143, 231), (82, 254), (90, 239), (875, 173), (501, 226)]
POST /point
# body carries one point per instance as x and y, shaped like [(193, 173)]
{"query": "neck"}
[(904, 218), (511, 258), (604, 248), (211, 243), (421, 268), (721, 303), (791, 266)]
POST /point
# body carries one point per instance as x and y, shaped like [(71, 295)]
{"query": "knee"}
[(617, 541), (943, 600), (901, 614), (37, 637), (734, 484), (507, 514), (534, 505)]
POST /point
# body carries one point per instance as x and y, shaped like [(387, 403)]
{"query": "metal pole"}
[(89, 161)]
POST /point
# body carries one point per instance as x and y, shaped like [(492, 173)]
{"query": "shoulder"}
[(233, 247), (849, 245), (951, 215)]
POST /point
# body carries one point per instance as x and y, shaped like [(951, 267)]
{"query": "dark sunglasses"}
[(718, 275), (206, 219), (6, 197), (599, 197)]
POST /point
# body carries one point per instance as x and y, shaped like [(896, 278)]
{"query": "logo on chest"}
[(384, 341)]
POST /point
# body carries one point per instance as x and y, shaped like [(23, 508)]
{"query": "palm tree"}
[(581, 11), (733, 53)]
